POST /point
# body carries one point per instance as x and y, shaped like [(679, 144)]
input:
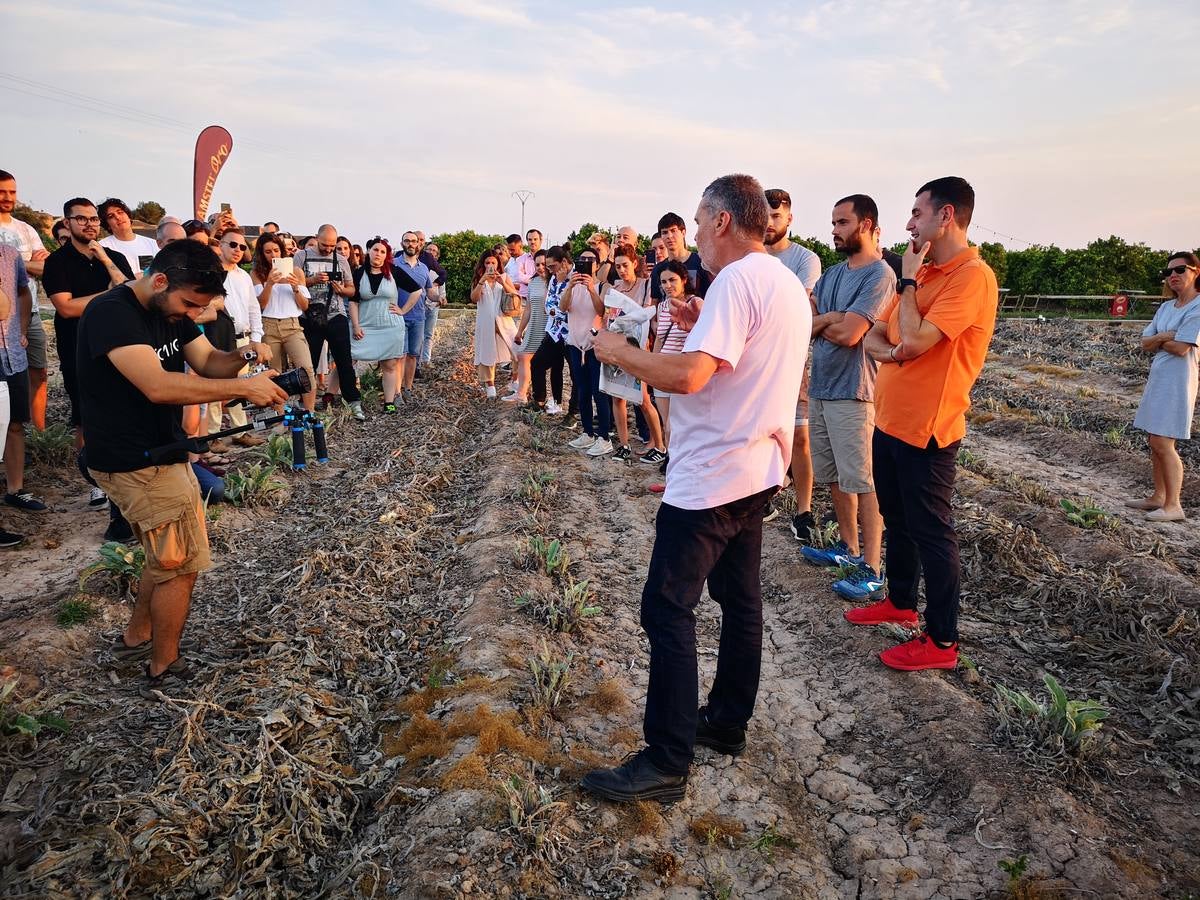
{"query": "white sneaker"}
[(552, 408), (491, 392), (582, 442), (602, 447), (514, 397), (97, 499)]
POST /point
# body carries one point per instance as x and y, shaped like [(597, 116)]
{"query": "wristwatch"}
[(905, 282)]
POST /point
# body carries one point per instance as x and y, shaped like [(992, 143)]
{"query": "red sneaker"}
[(880, 614), (920, 653)]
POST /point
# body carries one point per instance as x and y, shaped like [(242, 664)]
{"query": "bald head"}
[(327, 233), (168, 232)]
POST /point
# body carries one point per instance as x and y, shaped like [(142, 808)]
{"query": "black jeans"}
[(914, 487), (722, 545), (550, 356), (337, 333)]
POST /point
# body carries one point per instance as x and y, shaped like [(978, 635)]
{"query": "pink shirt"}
[(733, 438), (581, 318), (526, 269)]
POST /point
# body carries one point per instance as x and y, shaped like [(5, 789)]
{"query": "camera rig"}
[(295, 418)]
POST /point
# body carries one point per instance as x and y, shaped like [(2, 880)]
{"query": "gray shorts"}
[(840, 444), (36, 351)]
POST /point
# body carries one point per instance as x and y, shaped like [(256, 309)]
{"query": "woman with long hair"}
[(532, 329), (669, 336), (357, 256), (584, 308), (1169, 400), (489, 284), (376, 323), (630, 279), (282, 299)]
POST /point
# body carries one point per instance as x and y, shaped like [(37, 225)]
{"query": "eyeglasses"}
[(1175, 270), (85, 220), (234, 245)]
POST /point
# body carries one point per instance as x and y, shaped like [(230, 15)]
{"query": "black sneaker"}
[(802, 527), (636, 779), (653, 456), (97, 499), (170, 682), (623, 453), (770, 511), (730, 741), (26, 501), (666, 459), (8, 539)]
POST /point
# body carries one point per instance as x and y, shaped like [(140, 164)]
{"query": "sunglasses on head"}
[(1174, 270)]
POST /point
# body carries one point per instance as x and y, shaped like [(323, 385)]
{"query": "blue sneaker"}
[(864, 583), (837, 555)]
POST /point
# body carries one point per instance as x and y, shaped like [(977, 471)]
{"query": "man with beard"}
[(25, 238), (412, 304), (848, 298), (133, 342), (73, 276), (806, 266)]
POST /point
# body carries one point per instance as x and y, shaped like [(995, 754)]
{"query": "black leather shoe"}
[(636, 779), (730, 741)]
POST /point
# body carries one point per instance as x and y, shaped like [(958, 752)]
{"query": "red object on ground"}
[(881, 613), (919, 653)]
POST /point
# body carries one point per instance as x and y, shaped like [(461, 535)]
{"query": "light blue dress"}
[(1170, 396), (383, 331)]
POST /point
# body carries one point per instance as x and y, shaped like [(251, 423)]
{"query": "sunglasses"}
[(234, 245), (1175, 270)]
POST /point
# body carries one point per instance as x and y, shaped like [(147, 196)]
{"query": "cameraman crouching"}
[(133, 343)]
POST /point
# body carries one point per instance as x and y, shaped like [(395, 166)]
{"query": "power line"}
[(1001, 234)]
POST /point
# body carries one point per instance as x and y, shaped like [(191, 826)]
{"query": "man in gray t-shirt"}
[(848, 298)]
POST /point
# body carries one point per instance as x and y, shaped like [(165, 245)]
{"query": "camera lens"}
[(295, 382)]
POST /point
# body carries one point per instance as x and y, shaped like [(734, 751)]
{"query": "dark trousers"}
[(914, 487), (337, 333), (115, 516), (585, 383), (722, 545), (65, 341), (550, 356)]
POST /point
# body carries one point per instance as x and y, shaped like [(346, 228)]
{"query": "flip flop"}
[(1159, 515), (1142, 504)]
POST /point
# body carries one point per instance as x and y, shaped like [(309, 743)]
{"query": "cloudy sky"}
[(1073, 120)]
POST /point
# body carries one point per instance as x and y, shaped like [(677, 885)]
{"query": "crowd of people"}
[(746, 367)]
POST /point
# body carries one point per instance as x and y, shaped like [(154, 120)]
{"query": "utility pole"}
[(523, 196)]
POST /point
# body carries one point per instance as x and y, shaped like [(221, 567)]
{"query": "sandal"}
[(168, 682), (1161, 515), (1142, 504)]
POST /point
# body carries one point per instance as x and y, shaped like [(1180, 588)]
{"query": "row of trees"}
[(1104, 266)]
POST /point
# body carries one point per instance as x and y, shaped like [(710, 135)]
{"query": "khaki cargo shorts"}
[(840, 443), (163, 506)]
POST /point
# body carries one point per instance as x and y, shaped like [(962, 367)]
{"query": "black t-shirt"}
[(119, 422), (67, 271), (698, 278), (895, 261)]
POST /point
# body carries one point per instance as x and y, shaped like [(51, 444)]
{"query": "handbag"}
[(511, 305)]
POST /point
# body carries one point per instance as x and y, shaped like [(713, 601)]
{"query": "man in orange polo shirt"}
[(931, 342)]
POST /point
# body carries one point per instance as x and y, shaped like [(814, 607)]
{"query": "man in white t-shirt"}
[(136, 248), (733, 403), (241, 306), (28, 243)]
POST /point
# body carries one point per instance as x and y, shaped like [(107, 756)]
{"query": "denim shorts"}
[(414, 336)]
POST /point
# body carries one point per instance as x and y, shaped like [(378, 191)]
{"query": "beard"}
[(158, 304), (849, 246), (772, 236)]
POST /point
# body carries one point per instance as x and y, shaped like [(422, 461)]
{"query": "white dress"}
[(491, 346)]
